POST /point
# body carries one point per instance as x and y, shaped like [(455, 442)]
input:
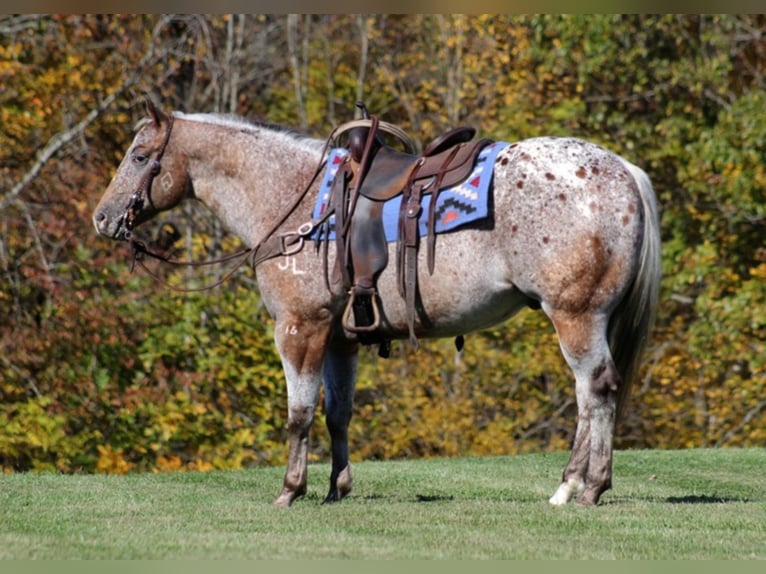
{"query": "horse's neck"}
[(247, 180)]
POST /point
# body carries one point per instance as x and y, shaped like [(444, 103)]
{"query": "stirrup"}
[(346, 323)]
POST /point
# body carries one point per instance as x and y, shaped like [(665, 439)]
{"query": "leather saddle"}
[(393, 171), (372, 174)]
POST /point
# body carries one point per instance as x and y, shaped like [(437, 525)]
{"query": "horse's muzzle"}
[(112, 227)]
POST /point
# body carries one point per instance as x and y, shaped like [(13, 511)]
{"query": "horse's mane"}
[(243, 124)]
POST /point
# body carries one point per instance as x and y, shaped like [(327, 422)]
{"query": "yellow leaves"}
[(168, 463), (31, 432), (759, 272), (205, 466), (111, 461)]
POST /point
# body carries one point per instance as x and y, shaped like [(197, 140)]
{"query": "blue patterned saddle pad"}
[(455, 207)]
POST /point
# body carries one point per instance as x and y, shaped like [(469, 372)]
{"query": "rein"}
[(272, 245), (139, 250)]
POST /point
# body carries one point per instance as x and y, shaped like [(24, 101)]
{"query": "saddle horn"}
[(363, 108), (359, 137), (385, 127)]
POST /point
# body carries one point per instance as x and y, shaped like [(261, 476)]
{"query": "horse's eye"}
[(140, 159)]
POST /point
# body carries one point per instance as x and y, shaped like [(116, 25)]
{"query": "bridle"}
[(141, 195), (272, 245)]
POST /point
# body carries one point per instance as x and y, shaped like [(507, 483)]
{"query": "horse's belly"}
[(468, 291)]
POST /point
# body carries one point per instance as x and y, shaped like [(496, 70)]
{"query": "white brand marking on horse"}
[(291, 329), (291, 263), (166, 180)]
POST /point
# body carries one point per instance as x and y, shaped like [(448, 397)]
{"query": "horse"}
[(573, 231)]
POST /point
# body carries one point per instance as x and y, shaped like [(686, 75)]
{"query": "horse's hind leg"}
[(588, 474), (302, 345), (340, 379)]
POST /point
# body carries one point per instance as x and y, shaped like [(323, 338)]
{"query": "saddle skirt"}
[(457, 206)]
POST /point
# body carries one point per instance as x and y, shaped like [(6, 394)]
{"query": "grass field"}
[(693, 504)]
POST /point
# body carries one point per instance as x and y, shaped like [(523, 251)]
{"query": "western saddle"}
[(371, 174)]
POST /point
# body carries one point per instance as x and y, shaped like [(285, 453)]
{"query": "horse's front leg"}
[(340, 380), (302, 345)]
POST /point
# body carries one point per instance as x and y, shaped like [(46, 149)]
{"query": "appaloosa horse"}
[(573, 230)]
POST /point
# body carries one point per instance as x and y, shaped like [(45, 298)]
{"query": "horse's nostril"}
[(101, 222)]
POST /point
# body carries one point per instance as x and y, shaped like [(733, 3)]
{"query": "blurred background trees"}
[(102, 370)]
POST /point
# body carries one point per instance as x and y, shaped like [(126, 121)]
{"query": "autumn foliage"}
[(103, 370)]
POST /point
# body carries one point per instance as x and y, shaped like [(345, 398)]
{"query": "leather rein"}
[(272, 245)]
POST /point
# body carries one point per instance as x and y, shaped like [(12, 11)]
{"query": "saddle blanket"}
[(455, 207)]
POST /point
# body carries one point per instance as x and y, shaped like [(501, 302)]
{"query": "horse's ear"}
[(157, 115)]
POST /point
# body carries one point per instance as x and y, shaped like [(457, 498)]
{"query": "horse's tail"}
[(634, 317)]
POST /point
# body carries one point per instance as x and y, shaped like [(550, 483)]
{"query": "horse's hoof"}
[(287, 497), (336, 495), (589, 497), (331, 497), (566, 492), (282, 502), (340, 486)]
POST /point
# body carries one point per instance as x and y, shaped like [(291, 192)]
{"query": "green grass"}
[(694, 504)]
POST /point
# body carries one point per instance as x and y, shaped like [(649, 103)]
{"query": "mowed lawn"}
[(691, 504)]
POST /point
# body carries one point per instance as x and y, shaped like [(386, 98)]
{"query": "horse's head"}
[(151, 178)]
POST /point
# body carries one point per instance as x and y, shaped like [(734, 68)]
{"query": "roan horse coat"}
[(574, 231)]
